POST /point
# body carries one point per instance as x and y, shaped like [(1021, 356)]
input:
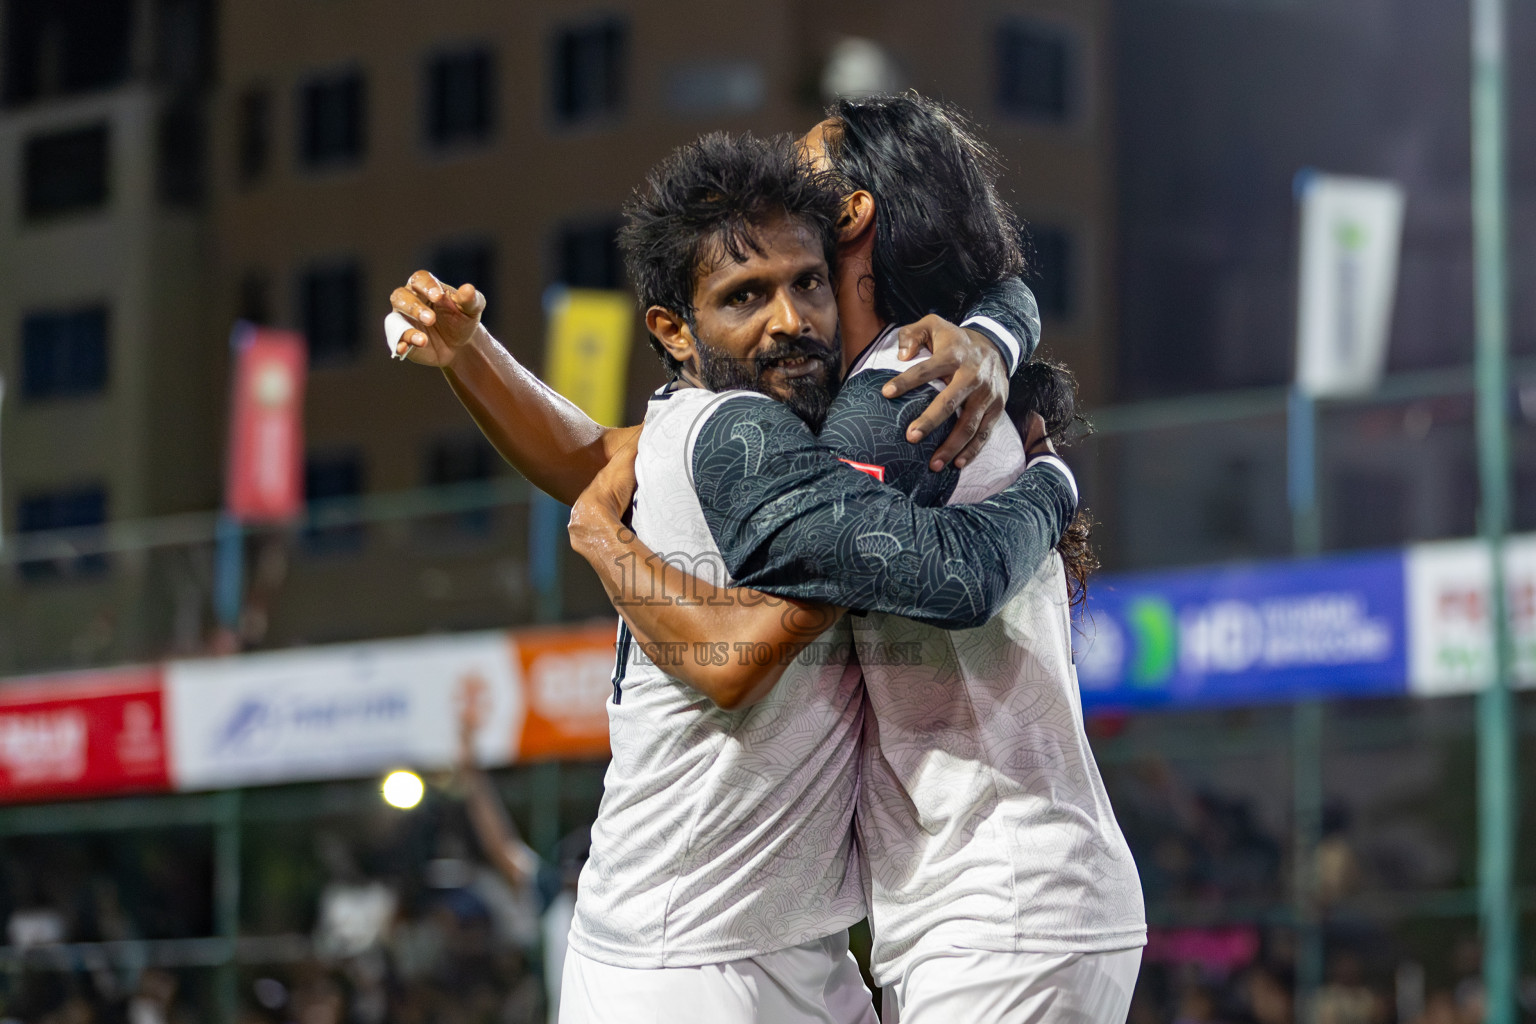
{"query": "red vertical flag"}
[(266, 432)]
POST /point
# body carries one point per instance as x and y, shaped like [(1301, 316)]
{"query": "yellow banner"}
[(588, 355)]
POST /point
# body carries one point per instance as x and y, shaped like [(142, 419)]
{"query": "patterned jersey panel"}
[(864, 422), (791, 519)]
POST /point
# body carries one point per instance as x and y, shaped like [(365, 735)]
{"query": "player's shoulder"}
[(739, 430), (676, 412), (881, 358)]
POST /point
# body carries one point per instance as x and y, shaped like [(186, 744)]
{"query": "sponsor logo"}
[(43, 746), (571, 684), (1147, 642), (878, 472), (260, 723)]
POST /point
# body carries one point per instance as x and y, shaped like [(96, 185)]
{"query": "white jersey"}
[(721, 834), (982, 814)]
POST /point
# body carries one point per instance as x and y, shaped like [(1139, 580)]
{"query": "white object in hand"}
[(395, 326)]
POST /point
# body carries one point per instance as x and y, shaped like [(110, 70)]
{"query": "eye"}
[(811, 282), (740, 297)]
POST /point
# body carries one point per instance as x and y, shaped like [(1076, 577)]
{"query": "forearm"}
[(494, 829), (707, 635), (795, 521), (544, 436), (951, 567)]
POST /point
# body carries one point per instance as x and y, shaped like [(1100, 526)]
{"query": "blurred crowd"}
[(345, 923), (443, 915)]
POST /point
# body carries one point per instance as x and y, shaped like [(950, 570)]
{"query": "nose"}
[(787, 318)]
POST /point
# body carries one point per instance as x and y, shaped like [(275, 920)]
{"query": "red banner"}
[(266, 433), (86, 735)]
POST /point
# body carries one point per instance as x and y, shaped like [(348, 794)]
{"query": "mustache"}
[(810, 348)]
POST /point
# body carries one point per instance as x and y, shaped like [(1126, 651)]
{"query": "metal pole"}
[(1301, 471), (229, 572), (1307, 812), (226, 901), (1306, 717), (544, 814), (1496, 805), (546, 534)]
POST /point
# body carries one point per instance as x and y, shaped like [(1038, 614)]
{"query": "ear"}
[(856, 217), (673, 332)]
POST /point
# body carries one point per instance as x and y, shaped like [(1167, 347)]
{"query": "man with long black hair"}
[(1001, 887)]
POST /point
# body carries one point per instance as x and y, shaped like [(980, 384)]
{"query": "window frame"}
[(1074, 83), (320, 163), (438, 61), (557, 78), (28, 389)]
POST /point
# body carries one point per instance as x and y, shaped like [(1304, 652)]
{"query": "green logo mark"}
[(1154, 643)]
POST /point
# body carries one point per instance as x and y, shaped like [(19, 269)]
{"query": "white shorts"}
[(814, 983), (1016, 988)]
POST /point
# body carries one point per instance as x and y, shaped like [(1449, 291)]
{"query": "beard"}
[(808, 396)]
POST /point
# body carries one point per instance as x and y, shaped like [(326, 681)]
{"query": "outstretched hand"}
[(443, 319), (976, 385)]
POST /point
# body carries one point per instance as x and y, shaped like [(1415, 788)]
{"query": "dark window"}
[(1034, 72), (589, 71), (331, 131), (255, 132), (183, 42), (464, 459), (1367, 509), (182, 143), (330, 303), (255, 299), (460, 100), (467, 263), (79, 508), (332, 483), (64, 353), (1050, 271), (1228, 511), (587, 256), (66, 171), (61, 47)]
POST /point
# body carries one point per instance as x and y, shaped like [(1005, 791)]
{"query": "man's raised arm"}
[(545, 437)]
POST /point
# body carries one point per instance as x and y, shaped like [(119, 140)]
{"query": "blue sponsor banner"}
[(1245, 634)]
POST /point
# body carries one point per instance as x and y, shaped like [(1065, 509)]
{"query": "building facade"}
[(349, 143)]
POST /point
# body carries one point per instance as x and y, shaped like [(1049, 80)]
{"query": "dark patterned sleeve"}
[(866, 427), (791, 519), (1007, 313)]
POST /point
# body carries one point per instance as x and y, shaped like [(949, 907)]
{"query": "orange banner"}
[(566, 676)]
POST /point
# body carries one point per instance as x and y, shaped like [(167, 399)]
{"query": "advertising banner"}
[(566, 675), (265, 475), (340, 712), (588, 356), (1449, 614), (1245, 634), (91, 734), (1351, 232)]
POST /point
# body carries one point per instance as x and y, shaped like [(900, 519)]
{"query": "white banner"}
[(341, 712), (1450, 628), (1351, 233)]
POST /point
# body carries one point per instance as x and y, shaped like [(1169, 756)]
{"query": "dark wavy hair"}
[(1050, 389), (942, 232), (717, 190)]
